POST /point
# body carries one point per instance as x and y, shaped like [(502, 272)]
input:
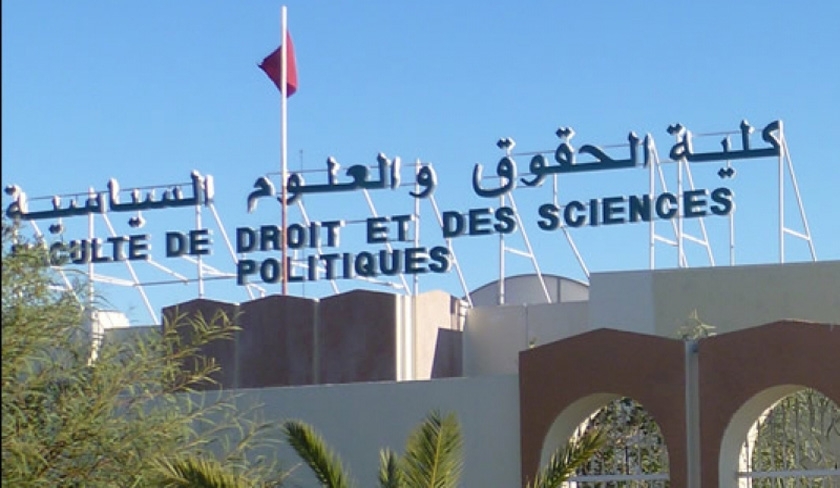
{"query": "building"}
[(364, 367)]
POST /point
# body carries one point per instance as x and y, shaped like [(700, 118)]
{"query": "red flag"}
[(272, 65)]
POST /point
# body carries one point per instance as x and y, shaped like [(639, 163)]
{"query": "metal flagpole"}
[(284, 56)]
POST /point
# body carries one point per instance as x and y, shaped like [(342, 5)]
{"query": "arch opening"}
[(787, 436), (634, 455)]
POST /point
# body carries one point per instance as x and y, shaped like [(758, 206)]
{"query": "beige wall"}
[(623, 301), (359, 419), (728, 298), (551, 322), (657, 303), (732, 298), (494, 336), (436, 353)]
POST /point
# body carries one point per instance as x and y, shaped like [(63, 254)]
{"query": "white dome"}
[(527, 290)]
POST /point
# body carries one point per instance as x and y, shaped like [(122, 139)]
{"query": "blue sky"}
[(147, 92)]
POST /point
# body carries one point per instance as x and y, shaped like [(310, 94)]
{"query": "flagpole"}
[(284, 57)]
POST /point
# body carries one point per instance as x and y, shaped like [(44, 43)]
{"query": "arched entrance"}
[(793, 442), (745, 373), (634, 455), (562, 384)]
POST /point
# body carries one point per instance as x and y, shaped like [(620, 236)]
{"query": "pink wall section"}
[(350, 337), (357, 337)]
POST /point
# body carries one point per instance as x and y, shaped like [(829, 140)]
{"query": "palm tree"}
[(198, 471), (308, 444), (195, 472), (432, 457)]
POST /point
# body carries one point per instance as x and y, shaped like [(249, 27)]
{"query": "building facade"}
[(364, 367)]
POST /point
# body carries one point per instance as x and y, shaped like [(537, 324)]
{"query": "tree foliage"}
[(118, 420)]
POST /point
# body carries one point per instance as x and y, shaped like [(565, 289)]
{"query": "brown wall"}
[(357, 337), (224, 352), (735, 371), (737, 366), (350, 337), (649, 369), (276, 346)]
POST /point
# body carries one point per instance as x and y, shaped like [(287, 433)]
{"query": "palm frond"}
[(193, 472), (567, 459), (390, 474), (326, 466), (433, 456)]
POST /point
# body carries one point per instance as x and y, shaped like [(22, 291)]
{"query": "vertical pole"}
[(732, 238), (411, 332), (284, 56), (781, 207), (692, 413), (198, 260), (501, 259), (417, 166), (651, 191), (680, 250), (91, 290), (795, 185)]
